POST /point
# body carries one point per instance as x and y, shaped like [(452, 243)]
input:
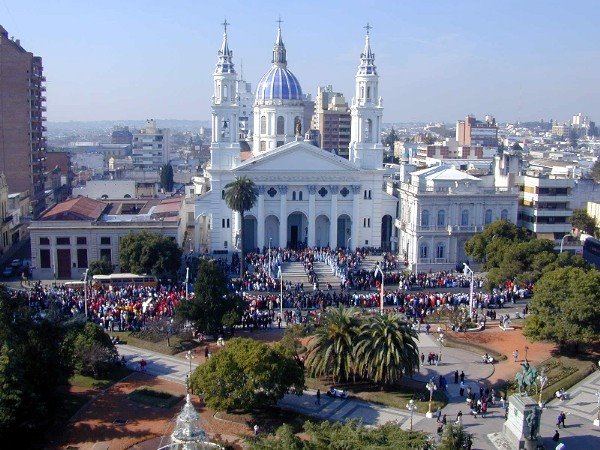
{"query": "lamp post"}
[(348, 244), (469, 270), (189, 356), (597, 420), (441, 341), (270, 257), (418, 256), (411, 407), (378, 269), (187, 282), (85, 294), (431, 387), (562, 241), (542, 379)]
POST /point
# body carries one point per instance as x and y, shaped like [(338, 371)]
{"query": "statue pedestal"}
[(429, 415), (522, 423), (597, 422)]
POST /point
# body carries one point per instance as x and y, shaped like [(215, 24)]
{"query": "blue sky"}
[(437, 60)]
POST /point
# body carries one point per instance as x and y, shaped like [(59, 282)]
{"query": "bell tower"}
[(225, 144), (366, 149)]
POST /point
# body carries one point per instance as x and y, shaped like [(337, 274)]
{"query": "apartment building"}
[(150, 147), (332, 120), (22, 130)]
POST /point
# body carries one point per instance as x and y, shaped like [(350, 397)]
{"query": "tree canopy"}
[(212, 304), (565, 307), (240, 196), (100, 267), (246, 374), (583, 221), (150, 253), (93, 351), (166, 177), (595, 172)]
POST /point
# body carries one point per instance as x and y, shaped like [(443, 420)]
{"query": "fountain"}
[(187, 434)]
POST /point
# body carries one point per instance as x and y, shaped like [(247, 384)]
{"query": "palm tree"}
[(241, 195), (386, 349), (331, 351)]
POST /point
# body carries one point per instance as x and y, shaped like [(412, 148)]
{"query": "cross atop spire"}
[(279, 22), (225, 23), (367, 27), (224, 62), (279, 49)]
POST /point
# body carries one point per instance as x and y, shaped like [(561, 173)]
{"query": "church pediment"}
[(296, 157)]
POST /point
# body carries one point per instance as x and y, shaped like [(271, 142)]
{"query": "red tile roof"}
[(79, 208)]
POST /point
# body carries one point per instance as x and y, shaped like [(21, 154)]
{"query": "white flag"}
[(279, 272), (378, 270)]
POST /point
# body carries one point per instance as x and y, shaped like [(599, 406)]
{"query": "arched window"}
[(425, 218), (362, 93), (263, 124), (368, 92), (488, 217), (423, 251), (300, 195), (504, 214), (440, 250), (293, 195), (441, 219), (464, 218), (225, 91), (280, 125), (368, 130)]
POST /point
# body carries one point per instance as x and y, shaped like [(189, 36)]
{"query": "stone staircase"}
[(294, 272), (369, 262)]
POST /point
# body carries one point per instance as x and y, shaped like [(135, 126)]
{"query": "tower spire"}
[(224, 62), (279, 54), (367, 57)]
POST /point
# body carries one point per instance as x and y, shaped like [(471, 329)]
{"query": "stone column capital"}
[(356, 189), (334, 188), (283, 189), (261, 190), (312, 189)]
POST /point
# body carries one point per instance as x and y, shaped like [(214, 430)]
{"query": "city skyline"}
[(436, 62)]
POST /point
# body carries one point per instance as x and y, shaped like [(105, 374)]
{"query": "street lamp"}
[(85, 294), (441, 341), (348, 244), (418, 256), (469, 270), (543, 379), (562, 241), (189, 356), (597, 421), (378, 269), (187, 282), (412, 408), (431, 387)]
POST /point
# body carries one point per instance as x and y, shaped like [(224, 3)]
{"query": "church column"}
[(260, 220), (312, 190), (333, 224), (355, 216), (283, 216)]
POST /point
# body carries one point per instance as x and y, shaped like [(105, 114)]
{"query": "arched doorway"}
[(272, 231), (297, 230), (322, 231), (386, 233), (344, 229), (250, 236)]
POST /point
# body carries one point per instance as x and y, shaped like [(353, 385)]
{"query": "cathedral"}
[(307, 196)]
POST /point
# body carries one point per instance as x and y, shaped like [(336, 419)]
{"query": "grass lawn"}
[(456, 343), (267, 418), (151, 397), (156, 342), (83, 381), (394, 396)]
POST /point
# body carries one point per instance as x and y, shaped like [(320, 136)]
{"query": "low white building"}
[(67, 237), (441, 208)]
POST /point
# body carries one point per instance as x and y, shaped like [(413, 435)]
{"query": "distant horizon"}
[(437, 61)]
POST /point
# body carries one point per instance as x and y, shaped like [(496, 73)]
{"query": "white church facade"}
[(307, 196)]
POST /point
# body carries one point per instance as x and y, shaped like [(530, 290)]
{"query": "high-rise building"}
[(121, 135), (475, 132), (332, 120), (150, 147), (22, 140)]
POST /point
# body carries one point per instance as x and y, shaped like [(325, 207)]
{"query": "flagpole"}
[(281, 295), (381, 295)]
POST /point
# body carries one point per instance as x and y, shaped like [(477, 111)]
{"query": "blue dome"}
[(278, 84)]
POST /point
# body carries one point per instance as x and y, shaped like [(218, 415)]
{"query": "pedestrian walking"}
[(556, 436), (422, 358), (206, 352), (456, 377), (462, 376), (459, 418), (462, 388), (318, 402), (516, 355), (444, 419), (255, 429), (439, 415), (560, 420)]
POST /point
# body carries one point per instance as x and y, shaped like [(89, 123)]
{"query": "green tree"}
[(494, 240), (240, 196), (583, 221), (212, 306), (100, 267), (386, 348), (331, 351), (455, 437), (150, 253), (390, 139), (93, 351), (565, 307), (166, 177), (595, 172), (246, 374)]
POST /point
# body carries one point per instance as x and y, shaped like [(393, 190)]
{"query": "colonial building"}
[(306, 195)]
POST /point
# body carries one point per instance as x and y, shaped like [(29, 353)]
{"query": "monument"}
[(522, 425)]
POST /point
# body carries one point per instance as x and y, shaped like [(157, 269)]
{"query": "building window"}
[(227, 223), (369, 194), (263, 125), (300, 195), (44, 241), (263, 146), (82, 259), (45, 258), (225, 244), (423, 251), (365, 196), (106, 254), (441, 218), (322, 192), (439, 251), (464, 218), (82, 241), (272, 192), (293, 195), (223, 194), (222, 223), (105, 240), (425, 218), (344, 191), (63, 241), (368, 92), (504, 214), (280, 125), (488, 217)]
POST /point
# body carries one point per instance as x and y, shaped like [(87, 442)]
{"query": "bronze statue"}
[(298, 127)]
